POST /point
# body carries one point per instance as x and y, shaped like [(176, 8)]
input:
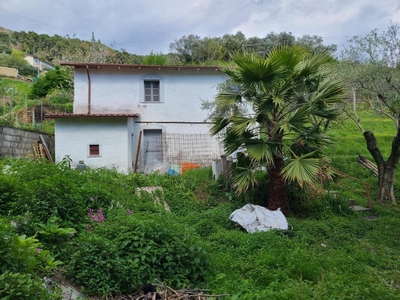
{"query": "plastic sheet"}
[(258, 218)]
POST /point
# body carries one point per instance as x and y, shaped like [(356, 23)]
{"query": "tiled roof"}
[(137, 67), (90, 115)]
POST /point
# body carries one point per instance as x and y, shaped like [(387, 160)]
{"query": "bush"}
[(120, 256), (17, 286), (54, 79), (22, 263)]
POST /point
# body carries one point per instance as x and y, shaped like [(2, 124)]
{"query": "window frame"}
[(142, 89), (153, 90), (89, 150)]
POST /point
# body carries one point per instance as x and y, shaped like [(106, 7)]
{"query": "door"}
[(151, 148)]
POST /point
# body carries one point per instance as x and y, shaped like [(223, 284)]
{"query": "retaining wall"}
[(17, 142)]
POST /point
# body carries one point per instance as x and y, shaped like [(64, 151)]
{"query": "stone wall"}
[(17, 142)]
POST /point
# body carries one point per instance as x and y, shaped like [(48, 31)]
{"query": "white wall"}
[(118, 91), (73, 135), (121, 91)]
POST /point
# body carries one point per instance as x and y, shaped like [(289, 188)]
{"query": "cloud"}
[(142, 26)]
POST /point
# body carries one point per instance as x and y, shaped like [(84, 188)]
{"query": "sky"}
[(143, 26)]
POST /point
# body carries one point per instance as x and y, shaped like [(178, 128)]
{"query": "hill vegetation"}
[(187, 50)]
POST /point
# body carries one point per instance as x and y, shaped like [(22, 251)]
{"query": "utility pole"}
[(93, 41), (11, 102)]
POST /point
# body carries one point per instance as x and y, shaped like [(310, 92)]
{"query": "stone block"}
[(8, 138), (6, 144)]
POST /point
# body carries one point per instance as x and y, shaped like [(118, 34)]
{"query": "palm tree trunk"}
[(277, 197)]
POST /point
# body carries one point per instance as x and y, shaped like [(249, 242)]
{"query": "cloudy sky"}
[(142, 26)]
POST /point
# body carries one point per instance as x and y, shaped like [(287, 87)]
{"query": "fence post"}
[(224, 164), (368, 187)]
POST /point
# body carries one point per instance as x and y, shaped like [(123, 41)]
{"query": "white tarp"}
[(257, 218)]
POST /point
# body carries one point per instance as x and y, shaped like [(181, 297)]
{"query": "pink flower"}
[(129, 212), (96, 216)]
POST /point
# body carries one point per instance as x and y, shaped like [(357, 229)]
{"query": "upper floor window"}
[(152, 91)]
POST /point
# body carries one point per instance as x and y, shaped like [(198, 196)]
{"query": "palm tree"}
[(290, 94)]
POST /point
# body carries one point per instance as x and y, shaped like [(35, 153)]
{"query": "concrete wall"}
[(121, 91), (74, 135), (10, 72), (16, 142)]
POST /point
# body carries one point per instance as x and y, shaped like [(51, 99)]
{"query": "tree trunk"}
[(386, 169), (386, 178), (277, 197)]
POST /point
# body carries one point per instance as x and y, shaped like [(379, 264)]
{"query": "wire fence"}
[(177, 152)]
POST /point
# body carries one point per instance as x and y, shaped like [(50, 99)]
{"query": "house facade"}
[(38, 63), (139, 118)]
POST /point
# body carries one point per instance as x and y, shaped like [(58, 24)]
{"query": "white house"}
[(38, 63), (136, 117)]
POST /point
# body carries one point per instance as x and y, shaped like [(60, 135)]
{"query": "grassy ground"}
[(329, 251)]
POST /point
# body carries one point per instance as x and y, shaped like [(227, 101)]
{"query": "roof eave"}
[(57, 116), (138, 67)]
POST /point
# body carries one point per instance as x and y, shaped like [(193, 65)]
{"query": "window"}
[(94, 150), (152, 91)]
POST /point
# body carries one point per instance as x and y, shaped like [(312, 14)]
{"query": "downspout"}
[(89, 88)]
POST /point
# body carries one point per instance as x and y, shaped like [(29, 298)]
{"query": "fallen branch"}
[(169, 293)]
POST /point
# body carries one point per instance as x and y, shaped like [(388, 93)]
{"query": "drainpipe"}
[(89, 88)]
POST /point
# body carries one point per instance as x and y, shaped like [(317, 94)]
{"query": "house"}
[(139, 117), (38, 63)]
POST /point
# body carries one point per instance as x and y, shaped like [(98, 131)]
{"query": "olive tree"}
[(372, 67)]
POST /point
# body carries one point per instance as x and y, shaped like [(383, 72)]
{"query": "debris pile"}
[(166, 292)]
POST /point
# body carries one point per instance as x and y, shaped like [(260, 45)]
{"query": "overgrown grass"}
[(123, 239)]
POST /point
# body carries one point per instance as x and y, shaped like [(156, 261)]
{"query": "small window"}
[(94, 150), (152, 91)]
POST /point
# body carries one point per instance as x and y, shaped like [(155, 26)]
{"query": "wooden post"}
[(224, 164), (368, 187), (45, 148), (138, 151)]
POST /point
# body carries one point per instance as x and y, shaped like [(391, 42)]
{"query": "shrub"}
[(22, 262), (119, 256), (17, 286)]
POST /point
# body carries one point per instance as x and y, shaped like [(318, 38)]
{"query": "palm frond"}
[(232, 142), (219, 125), (228, 99), (251, 68), (260, 150), (302, 168), (241, 123), (296, 120), (312, 64), (243, 173)]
